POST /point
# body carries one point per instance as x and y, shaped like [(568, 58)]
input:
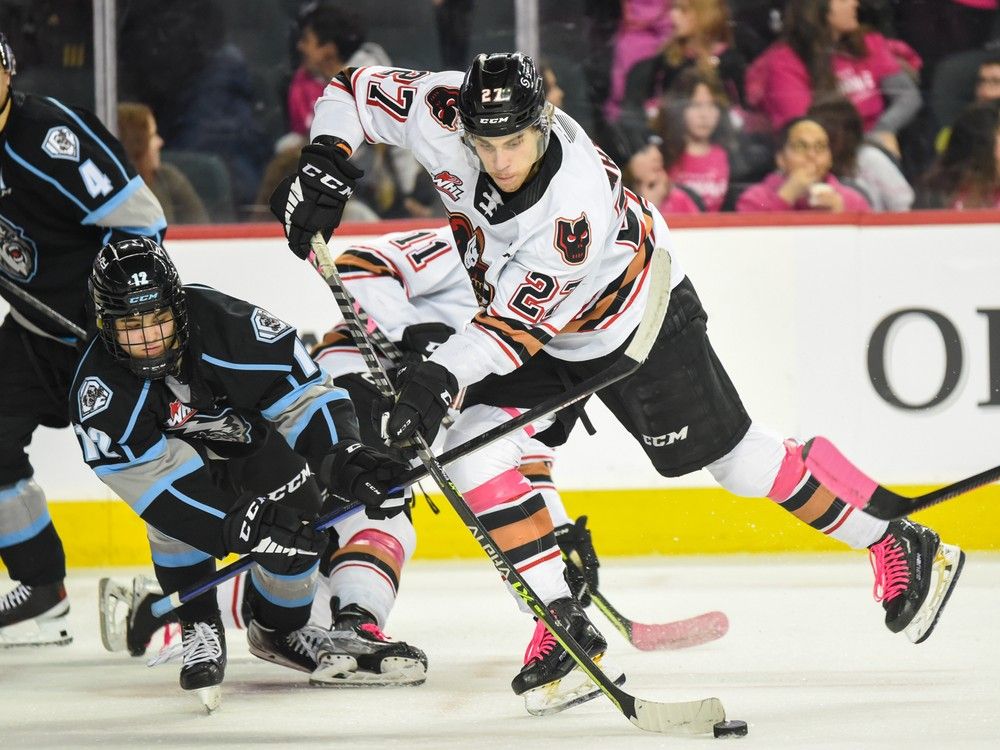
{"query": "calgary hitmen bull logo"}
[(18, 257), (573, 238), (443, 102), (470, 243)]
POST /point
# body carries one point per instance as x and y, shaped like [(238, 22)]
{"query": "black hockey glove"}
[(313, 199), (581, 559), (426, 390), (424, 338), (357, 472), (277, 536)]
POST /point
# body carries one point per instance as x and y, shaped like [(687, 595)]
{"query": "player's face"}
[(842, 16), (509, 159), (701, 116), (808, 149), (148, 335)]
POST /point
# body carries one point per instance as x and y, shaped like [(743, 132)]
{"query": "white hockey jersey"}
[(562, 264)]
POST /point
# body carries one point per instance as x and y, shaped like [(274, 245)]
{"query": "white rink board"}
[(791, 311)]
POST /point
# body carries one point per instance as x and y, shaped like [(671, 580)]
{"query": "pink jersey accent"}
[(500, 489), (386, 542), (779, 84), (513, 412), (790, 473), (707, 175), (764, 196), (832, 468)]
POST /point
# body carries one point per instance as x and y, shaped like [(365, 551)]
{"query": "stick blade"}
[(682, 719), (670, 636)]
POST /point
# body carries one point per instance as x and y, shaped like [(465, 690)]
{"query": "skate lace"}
[(892, 574), (15, 598), (307, 640), (542, 643), (199, 644), (374, 631)]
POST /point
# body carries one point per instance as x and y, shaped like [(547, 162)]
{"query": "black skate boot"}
[(364, 656), (35, 616), (545, 679), (204, 652), (303, 649), (127, 619), (914, 576)]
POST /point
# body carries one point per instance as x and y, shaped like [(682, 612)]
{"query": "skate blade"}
[(112, 601), (210, 697), (341, 671), (29, 633), (572, 690), (948, 563)]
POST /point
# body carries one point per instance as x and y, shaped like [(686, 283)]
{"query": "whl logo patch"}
[(179, 414)]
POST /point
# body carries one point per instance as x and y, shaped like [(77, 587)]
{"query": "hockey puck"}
[(733, 728)]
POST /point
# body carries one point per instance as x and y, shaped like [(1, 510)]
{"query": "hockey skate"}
[(203, 650), (305, 649), (35, 616), (127, 620), (550, 681), (365, 657), (914, 576)]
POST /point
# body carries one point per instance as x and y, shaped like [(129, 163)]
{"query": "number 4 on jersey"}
[(96, 182)]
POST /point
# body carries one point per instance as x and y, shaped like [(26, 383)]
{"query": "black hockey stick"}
[(856, 488), (664, 636), (44, 309), (691, 717)]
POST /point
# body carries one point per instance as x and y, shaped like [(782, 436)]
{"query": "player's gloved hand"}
[(581, 559), (277, 536), (424, 338), (357, 472), (425, 391), (313, 199)]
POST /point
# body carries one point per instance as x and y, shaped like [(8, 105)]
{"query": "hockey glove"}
[(426, 390), (357, 472), (424, 338), (277, 536), (581, 559), (313, 200)]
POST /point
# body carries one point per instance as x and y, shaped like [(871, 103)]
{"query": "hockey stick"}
[(44, 309), (665, 636), (856, 488), (691, 717), (172, 601)]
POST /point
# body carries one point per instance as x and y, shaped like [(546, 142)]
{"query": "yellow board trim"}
[(624, 522)]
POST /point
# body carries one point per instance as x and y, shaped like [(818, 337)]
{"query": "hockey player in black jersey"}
[(208, 416), (66, 188)]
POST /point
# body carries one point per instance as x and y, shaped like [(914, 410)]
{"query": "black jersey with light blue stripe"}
[(66, 188), (245, 374)]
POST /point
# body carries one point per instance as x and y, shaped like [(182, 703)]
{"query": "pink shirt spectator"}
[(644, 28), (779, 84), (764, 196), (678, 202), (707, 175), (303, 92)]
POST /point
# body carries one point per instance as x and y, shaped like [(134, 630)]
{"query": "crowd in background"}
[(707, 105)]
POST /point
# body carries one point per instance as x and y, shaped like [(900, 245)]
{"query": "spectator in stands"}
[(987, 89), (967, 174), (644, 26), (825, 52), (939, 28), (142, 143), (803, 181), (697, 136), (702, 39), (553, 91), (858, 162)]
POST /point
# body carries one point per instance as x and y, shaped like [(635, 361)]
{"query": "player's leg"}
[(34, 378)]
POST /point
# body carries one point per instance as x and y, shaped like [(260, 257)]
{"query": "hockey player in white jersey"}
[(557, 251)]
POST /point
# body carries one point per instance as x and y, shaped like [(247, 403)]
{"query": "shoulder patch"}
[(266, 327), (443, 103), (18, 254), (61, 143), (573, 238), (93, 397)]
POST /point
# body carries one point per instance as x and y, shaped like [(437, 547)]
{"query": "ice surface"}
[(807, 663)]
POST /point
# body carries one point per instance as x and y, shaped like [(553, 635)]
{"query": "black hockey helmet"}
[(502, 93), (131, 278), (7, 61)]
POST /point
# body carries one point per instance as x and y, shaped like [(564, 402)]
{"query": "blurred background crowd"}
[(707, 105)]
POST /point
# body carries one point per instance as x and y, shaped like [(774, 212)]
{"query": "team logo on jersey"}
[(443, 103), (179, 414), (227, 427), (18, 256), (266, 327), (61, 143), (92, 398), (448, 184), (573, 238), (471, 243)]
